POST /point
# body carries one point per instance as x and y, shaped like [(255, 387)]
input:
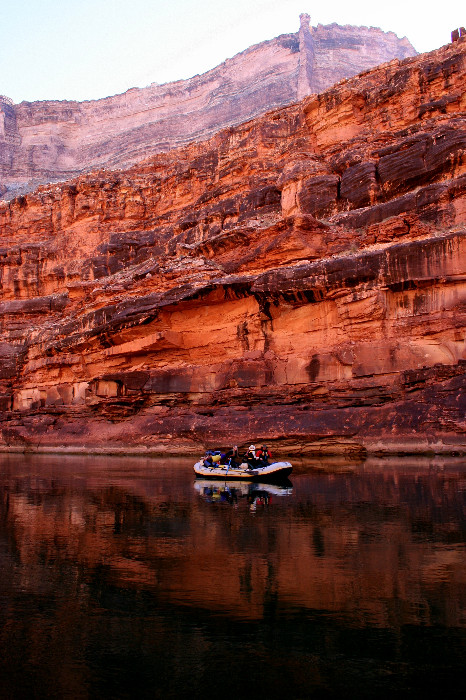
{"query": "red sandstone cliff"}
[(298, 278), (44, 141)]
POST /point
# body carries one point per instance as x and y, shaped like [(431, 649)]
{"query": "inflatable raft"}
[(276, 471)]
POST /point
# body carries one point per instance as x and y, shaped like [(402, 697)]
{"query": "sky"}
[(88, 49)]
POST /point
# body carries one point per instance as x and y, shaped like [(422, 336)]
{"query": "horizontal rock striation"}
[(299, 278), (46, 141)]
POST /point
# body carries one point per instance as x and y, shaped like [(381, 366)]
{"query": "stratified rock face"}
[(298, 278), (44, 141)]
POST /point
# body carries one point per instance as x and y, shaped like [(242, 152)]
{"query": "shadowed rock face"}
[(298, 278), (47, 141)]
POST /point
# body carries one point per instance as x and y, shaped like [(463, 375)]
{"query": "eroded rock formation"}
[(298, 278), (44, 141)]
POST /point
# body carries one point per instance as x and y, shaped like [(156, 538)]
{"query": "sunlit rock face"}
[(297, 279), (51, 140)]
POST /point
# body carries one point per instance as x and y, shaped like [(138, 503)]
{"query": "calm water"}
[(125, 578)]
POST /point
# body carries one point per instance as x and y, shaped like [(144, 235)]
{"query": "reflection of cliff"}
[(53, 139), (358, 543)]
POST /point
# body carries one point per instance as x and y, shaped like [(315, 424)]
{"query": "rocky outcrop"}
[(298, 278), (46, 141)]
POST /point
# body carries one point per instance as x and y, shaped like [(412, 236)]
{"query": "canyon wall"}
[(298, 278), (46, 141)]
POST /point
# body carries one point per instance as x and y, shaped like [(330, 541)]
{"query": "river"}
[(127, 578)]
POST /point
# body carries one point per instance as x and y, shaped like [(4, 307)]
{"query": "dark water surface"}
[(123, 578)]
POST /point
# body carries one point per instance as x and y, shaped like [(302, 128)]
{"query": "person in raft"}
[(264, 455), (208, 460), (232, 457), (250, 457)]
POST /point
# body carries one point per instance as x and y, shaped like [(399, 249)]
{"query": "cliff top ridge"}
[(53, 140)]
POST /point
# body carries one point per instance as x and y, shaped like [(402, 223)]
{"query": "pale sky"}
[(87, 49)]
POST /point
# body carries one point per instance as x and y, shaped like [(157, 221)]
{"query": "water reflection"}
[(124, 577), (233, 492)]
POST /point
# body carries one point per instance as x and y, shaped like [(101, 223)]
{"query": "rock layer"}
[(298, 278), (45, 141)]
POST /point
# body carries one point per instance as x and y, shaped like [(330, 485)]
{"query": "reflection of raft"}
[(277, 471), (245, 488)]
